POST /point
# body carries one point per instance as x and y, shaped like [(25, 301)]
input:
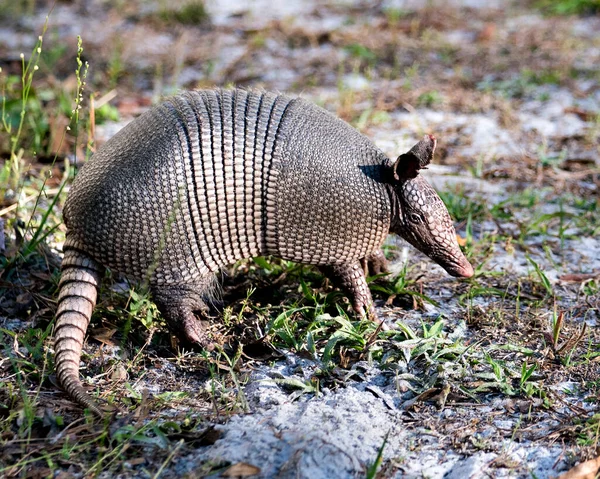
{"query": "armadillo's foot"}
[(177, 305), (374, 264), (350, 278)]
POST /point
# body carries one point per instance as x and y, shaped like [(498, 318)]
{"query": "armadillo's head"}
[(421, 217)]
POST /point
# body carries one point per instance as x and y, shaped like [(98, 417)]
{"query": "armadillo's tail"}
[(79, 281)]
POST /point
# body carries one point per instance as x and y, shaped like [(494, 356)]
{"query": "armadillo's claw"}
[(195, 331), (187, 327), (350, 277), (177, 306)]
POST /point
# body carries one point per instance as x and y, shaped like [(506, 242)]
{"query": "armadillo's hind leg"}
[(178, 303), (79, 281), (350, 278)]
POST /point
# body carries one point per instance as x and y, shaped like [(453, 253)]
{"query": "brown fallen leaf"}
[(487, 33), (581, 113), (440, 399), (119, 372), (58, 142), (24, 299), (585, 470), (136, 461), (424, 396), (35, 472), (461, 241), (104, 335), (241, 469), (579, 277)]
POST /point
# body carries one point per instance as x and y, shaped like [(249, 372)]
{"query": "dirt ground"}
[(495, 376)]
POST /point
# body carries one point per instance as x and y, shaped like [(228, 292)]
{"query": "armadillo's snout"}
[(462, 269)]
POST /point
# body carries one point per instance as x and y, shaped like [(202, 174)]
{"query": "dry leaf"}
[(58, 141), (424, 396), (119, 373), (581, 113), (241, 469), (24, 299), (579, 277), (104, 335), (487, 33), (585, 470)]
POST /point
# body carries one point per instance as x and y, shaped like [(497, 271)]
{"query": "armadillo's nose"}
[(459, 268), (462, 270), (467, 270)]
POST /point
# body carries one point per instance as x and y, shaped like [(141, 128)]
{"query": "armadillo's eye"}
[(415, 218)]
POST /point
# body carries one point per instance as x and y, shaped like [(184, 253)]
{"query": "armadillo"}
[(211, 177)]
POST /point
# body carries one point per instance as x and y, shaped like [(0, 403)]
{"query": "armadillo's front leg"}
[(177, 305), (375, 263), (350, 277)]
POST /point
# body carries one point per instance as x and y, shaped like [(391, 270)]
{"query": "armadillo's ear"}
[(408, 165)]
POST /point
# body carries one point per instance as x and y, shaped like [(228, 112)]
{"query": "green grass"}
[(361, 53), (192, 12), (524, 84), (568, 7), (430, 99), (11, 10), (373, 468)]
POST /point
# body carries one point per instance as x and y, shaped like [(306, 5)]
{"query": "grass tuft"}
[(568, 7), (193, 12)]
